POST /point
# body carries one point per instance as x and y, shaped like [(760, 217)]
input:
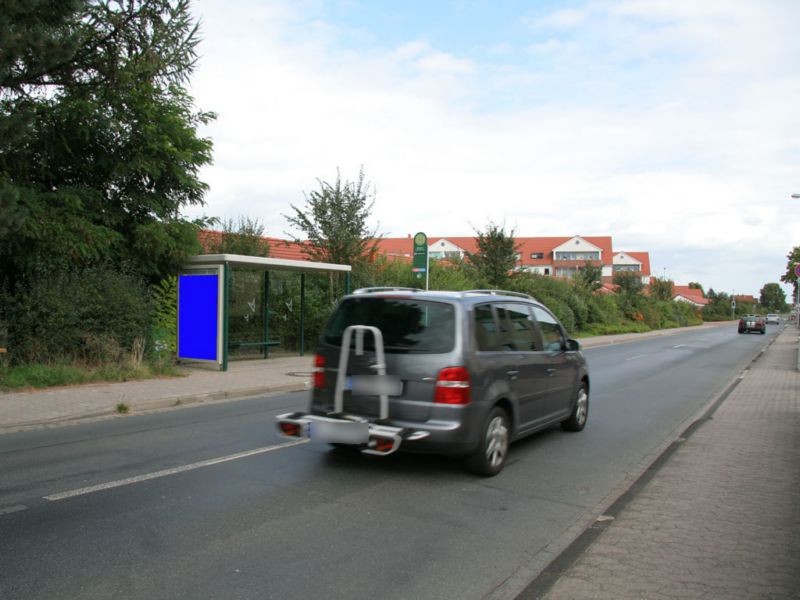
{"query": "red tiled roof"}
[(278, 248), (685, 290)]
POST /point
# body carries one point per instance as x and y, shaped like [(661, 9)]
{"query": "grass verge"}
[(37, 376)]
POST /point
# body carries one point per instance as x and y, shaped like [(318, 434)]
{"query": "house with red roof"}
[(550, 256), (633, 262), (695, 297)]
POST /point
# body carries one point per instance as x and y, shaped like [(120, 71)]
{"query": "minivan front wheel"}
[(492, 453), (580, 411)]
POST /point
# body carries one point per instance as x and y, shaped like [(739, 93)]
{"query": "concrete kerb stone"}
[(155, 405)]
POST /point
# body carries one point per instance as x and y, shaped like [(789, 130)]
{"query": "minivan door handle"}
[(512, 374), (550, 371)]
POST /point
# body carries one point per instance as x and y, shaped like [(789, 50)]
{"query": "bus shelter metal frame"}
[(224, 263)]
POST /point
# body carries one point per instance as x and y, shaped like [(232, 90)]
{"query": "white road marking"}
[(637, 356), (12, 509), (679, 346), (139, 478)]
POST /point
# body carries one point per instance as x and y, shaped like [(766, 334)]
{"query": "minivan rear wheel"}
[(580, 411), (492, 453)]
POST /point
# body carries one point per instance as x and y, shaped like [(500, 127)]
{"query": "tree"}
[(496, 256), (773, 298), (790, 276), (244, 236), (630, 284), (590, 277), (661, 289), (334, 221), (98, 137)]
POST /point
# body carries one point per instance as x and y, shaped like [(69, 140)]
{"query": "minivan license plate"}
[(339, 432)]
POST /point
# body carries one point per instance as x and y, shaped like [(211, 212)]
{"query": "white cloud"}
[(560, 19), (694, 158)]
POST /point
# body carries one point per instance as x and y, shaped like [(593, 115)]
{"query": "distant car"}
[(773, 318), (750, 323)]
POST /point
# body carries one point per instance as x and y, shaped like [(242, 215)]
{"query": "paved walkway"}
[(720, 518)]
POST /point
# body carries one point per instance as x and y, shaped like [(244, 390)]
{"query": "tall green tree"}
[(99, 149), (242, 236), (496, 256), (334, 221), (793, 260), (773, 298)]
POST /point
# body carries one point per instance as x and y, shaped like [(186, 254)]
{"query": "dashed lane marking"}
[(638, 356), (164, 473), (7, 510)]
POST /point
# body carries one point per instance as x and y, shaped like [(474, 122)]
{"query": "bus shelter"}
[(204, 297)]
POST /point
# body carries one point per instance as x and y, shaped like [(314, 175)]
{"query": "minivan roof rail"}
[(500, 293), (372, 290)]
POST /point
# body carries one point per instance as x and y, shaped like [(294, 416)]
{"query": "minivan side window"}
[(486, 334), (521, 328), (551, 332)]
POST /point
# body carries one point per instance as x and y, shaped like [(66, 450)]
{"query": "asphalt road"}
[(301, 521)]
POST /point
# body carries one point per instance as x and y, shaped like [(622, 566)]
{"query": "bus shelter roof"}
[(265, 264)]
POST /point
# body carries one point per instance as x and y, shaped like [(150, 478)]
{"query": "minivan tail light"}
[(319, 372), (452, 386)]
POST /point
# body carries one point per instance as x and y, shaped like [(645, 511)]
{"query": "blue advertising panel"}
[(198, 316)]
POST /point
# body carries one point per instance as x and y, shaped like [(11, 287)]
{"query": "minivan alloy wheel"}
[(490, 456), (580, 411), (582, 406), (496, 441)]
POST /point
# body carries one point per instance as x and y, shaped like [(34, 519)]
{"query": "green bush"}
[(90, 316), (164, 329)]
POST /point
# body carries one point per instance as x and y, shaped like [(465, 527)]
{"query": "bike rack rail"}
[(339, 428)]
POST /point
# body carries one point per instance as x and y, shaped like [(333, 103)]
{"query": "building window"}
[(627, 268), (537, 255), (577, 256)]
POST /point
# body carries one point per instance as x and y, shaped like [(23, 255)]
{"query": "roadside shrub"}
[(561, 310), (603, 310), (91, 316), (164, 328)]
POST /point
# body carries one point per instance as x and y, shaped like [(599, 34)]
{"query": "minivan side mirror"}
[(573, 346)]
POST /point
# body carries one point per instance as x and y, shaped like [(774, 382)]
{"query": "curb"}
[(158, 404)]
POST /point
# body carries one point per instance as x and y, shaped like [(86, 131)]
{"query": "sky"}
[(671, 125)]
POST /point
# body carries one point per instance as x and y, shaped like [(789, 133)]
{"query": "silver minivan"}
[(455, 373)]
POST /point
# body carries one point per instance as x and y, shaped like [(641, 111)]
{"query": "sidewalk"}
[(54, 406), (719, 516)]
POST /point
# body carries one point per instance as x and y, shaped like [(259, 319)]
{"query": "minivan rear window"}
[(407, 325)]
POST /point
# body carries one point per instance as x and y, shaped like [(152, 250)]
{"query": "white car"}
[(773, 318)]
